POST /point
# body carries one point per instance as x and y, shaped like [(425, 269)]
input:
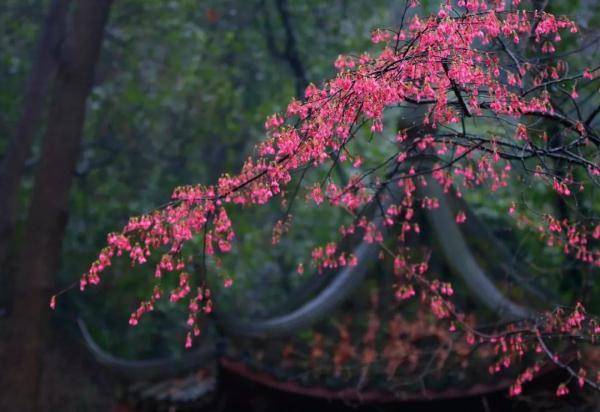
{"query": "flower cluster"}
[(445, 63)]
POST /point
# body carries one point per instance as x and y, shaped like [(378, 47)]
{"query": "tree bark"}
[(48, 210), (12, 166)]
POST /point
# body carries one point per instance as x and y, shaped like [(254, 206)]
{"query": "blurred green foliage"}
[(181, 95)]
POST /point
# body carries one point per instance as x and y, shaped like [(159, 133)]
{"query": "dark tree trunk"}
[(13, 163), (48, 210)]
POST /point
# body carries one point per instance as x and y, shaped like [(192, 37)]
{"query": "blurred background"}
[(105, 107)]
